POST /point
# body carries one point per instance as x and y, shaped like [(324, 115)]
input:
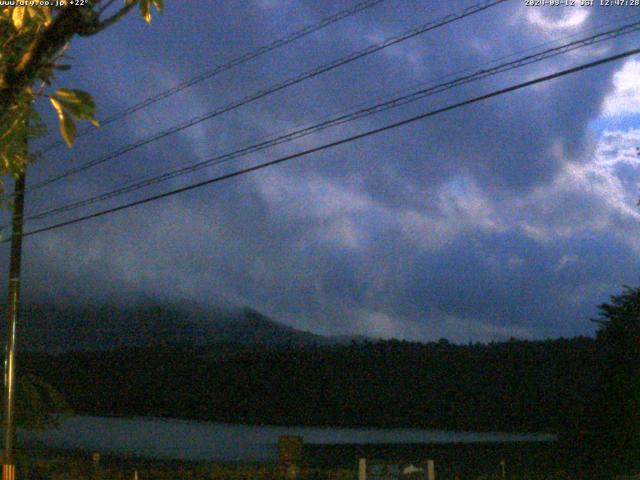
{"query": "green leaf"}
[(17, 17), (145, 10), (159, 4), (46, 15), (6, 163), (67, 125), (78, 103), (68, 130), (41, 13)]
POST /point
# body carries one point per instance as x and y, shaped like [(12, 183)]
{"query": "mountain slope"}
[(81, 328)]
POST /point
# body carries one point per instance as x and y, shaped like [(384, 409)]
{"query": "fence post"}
[(362, 469), (431, 470), (8, 472)]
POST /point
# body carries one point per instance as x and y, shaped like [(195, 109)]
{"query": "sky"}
[(512, 217)]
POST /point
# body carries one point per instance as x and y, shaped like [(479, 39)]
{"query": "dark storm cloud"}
[(476, 224)]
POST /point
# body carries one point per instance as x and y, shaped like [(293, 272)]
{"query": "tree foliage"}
[(620, 322), (33, 42), (38, 404), (619, 345), (516, 385)]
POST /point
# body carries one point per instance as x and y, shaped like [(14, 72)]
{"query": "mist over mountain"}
[(61, 328)]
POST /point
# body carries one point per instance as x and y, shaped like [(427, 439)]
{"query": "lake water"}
[(193, 440)]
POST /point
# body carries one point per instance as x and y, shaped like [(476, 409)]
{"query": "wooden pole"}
[(8, 469), (431, 470), (362, 469)]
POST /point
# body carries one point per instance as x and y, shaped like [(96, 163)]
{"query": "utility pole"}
[(8, 466)]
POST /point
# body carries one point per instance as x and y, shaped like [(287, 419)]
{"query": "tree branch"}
[(108, 21), (105, 6), (45, 45), (69, 22)]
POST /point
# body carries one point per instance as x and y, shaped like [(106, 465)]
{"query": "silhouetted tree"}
[(619, 345), (38, 404)]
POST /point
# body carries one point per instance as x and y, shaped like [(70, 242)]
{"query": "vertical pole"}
[(8, 471), (431, 470), (362, 469)]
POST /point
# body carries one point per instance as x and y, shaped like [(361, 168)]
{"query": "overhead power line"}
[(336, 143), (281, 42), (341, 119), (275, 88)]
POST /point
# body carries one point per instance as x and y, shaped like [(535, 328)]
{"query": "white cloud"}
[(570, 19), (332, 209), (624, 99), (339, 211), (567, 260), (413, 55), (309, 196), (596, 195), (378, 324), (460, 207), (188, 104), (273, 4), (481, 331), (436, 325), (345, 232)]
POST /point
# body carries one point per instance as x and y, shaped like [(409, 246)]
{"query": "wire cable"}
[(336, 143), (275, 88), (281, 42), (387, 105)]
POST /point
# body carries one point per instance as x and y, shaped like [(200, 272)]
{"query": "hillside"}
[(97, 328)]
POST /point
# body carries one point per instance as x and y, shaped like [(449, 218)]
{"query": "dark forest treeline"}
[(551, 385)]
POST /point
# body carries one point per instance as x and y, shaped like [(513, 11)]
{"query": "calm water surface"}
[(193, 440)]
